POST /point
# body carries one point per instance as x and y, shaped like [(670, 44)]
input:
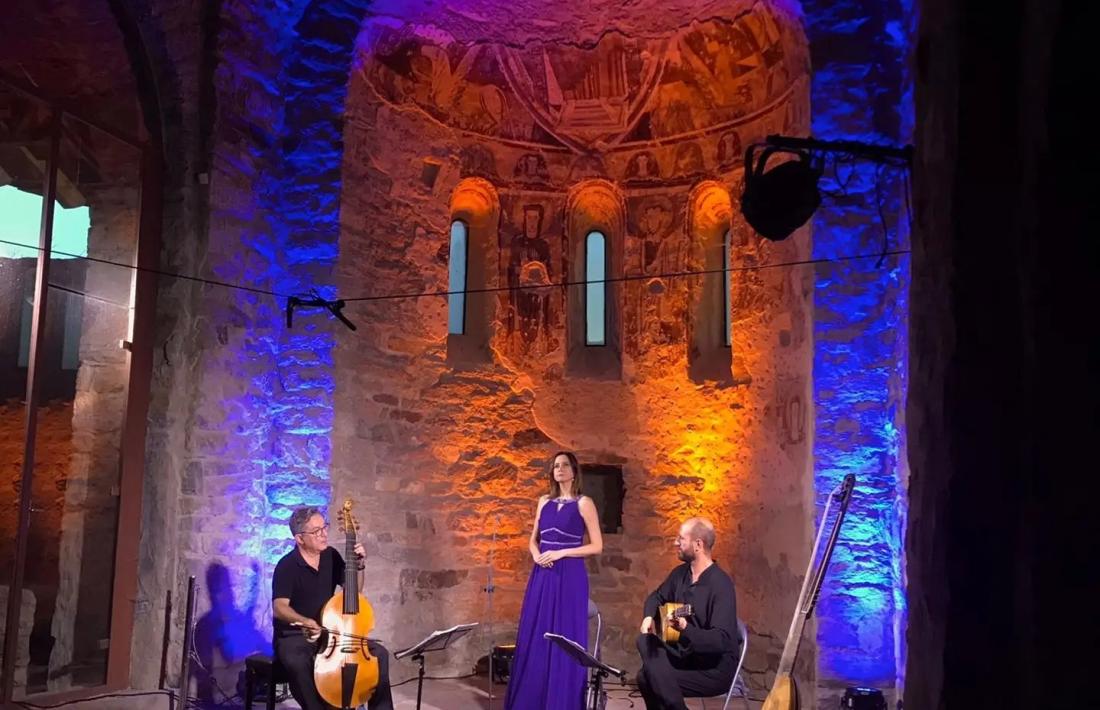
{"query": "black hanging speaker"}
[(779, 201), (863, 699)]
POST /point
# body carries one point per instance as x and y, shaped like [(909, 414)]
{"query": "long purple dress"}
[(543, 676)]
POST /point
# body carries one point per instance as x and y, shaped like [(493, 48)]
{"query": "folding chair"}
[(744, 633)]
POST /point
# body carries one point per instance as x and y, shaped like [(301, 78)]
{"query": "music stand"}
[(583, 657), (435, 641)]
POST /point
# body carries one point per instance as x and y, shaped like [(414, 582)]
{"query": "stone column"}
[(89, 522), (861, 92)]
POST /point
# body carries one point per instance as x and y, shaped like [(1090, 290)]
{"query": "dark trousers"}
[(296, 654), (664, 685)]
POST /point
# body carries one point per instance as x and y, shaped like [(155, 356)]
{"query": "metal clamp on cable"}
[(316, 301)]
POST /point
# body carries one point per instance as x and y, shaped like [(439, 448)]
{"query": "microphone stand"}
[(490, 589), (436, 641)]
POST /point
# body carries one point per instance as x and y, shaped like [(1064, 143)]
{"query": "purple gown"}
[(543, 676)]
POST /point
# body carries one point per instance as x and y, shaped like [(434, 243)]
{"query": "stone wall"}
[(89, 524), (17, 277), (441, 455), (229, 364), (53, 455), (860, 51), (1001, 378), (175, 58), (26, 623), (274, 121), (117, 63), (239, 419)]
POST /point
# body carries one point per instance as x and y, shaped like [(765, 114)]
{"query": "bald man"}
[(702, 662)]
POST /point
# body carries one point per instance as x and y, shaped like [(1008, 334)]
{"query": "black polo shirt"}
[(307, 589), (711, 638)]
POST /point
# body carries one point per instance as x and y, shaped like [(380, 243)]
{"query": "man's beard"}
[(686, 555)]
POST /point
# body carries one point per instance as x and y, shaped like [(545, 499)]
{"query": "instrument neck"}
[(790, 649), (351, 574), (815, 576)]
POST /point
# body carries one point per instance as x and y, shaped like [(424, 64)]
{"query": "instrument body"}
[(345, 672), (783, 695), (784, 692), (667, 612)]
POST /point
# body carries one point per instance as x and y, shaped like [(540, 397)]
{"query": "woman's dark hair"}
[(555, 488)]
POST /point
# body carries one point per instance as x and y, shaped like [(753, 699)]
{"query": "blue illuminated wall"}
[(860, 91), (278, 150), (301, 198), (261, 441)]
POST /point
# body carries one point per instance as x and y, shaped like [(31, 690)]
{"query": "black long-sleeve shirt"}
[(711, 638)]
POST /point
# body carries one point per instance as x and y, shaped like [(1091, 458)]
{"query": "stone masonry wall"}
[(442, 457), (52, 459), (860, 51), (172, 35), (228, 448), (26, 623), (250, 419), (249, 423), (89, 523)]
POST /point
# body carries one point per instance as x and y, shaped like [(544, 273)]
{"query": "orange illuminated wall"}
[(539, 143)]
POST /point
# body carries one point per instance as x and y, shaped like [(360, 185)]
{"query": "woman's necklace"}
[(562, 500)]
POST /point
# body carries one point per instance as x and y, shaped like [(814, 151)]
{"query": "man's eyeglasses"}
[(315, 532)]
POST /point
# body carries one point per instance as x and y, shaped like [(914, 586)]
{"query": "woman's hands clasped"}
[(547, 559)]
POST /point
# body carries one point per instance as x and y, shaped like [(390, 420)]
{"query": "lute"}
[(784, 692), (665, 615)]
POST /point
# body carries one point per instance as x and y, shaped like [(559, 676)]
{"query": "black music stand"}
[(583, 657), (435, 641)]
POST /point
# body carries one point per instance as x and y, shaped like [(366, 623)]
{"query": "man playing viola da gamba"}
[(304, 580)]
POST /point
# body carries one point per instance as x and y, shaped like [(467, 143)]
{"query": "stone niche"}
[(637, 132)]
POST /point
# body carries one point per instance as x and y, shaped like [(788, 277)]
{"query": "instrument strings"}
[(345, 634)]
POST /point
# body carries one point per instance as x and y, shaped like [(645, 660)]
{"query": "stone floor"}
[(438, 695), (463, 695)]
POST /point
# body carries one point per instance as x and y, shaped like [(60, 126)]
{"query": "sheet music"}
[(581, 655), (564, 639), (443, 637)]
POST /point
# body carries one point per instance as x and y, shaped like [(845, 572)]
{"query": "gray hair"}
[(300, 517)]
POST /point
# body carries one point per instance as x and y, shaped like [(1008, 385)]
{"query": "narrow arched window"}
[(471, 267), (726, 315), (595, 222), (456, 283), (595, 289), (710, 326)]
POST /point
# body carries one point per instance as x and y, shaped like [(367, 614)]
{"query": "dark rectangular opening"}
[(604, 485)]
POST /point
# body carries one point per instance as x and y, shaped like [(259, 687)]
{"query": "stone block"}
[(22, 647)]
